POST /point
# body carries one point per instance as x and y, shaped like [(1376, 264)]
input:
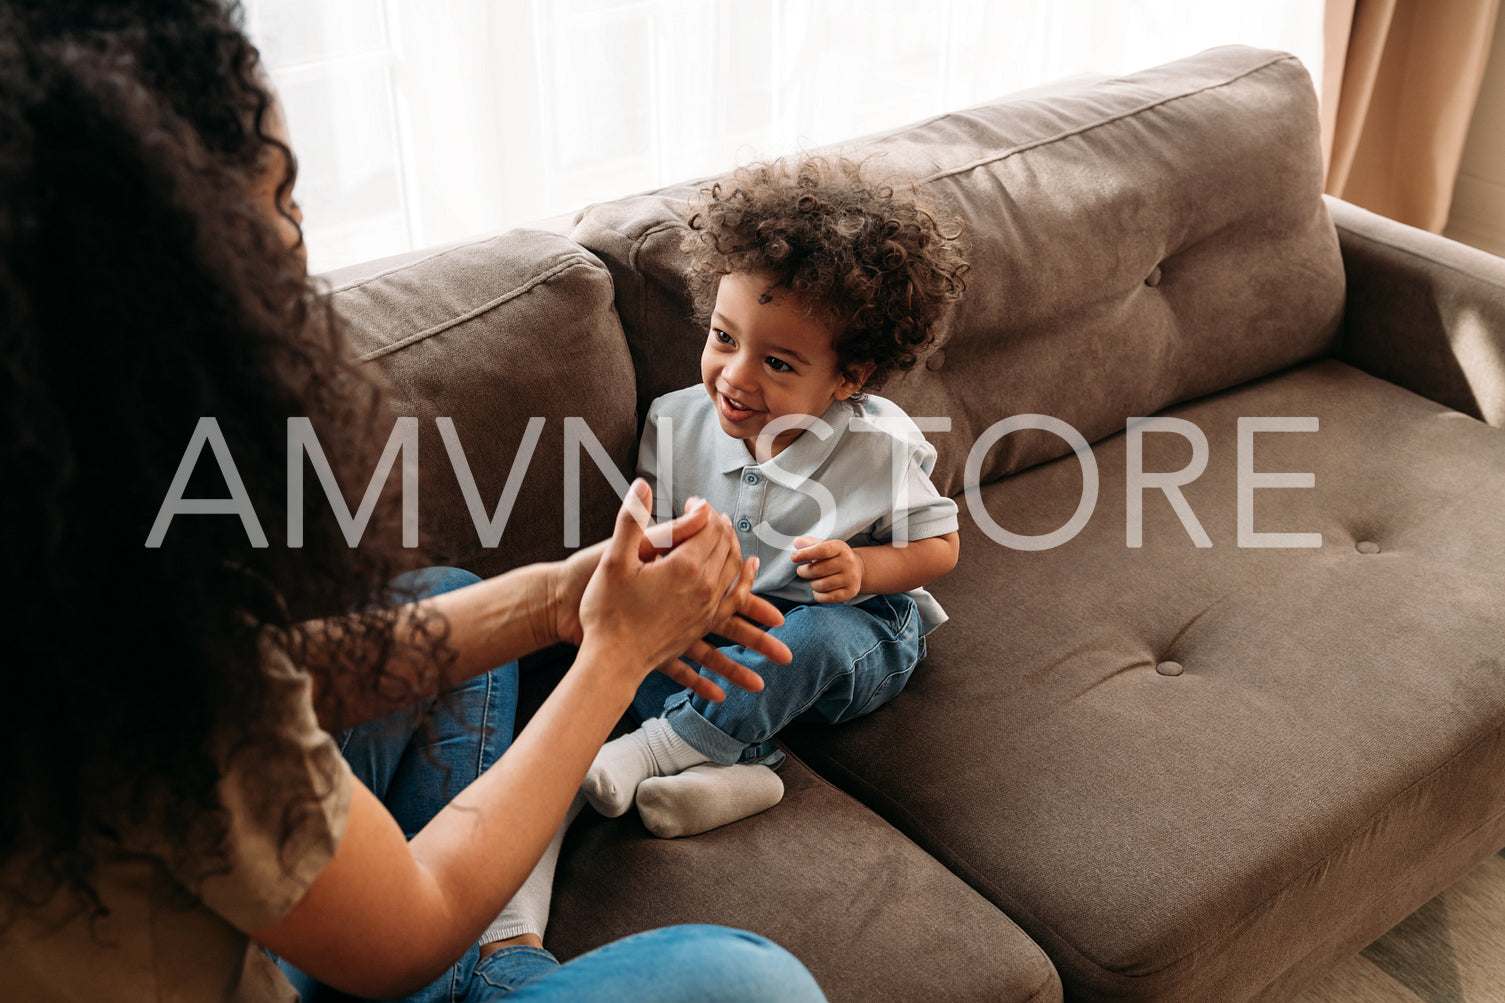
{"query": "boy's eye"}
[(722, 336), (779, 365)]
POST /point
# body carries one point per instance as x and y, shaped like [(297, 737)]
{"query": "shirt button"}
[(744, 524), (749, 478)]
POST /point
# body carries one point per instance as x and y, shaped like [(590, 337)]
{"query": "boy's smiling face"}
[(763, 361)]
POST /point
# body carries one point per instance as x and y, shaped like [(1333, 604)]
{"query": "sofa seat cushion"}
[(1199, 774), (868, 912)]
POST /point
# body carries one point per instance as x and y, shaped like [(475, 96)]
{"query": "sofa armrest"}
[(1423, 312)]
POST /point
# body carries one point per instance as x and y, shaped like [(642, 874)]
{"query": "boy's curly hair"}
[(865, 254)]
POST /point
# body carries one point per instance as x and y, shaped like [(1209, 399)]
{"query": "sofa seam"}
[(1120, 116), (1046, 983), (357, 283), (1488, 822), (1384, 810), (638, 274), (1348, 838), (640, 281), (573, 260), (1417, 255)]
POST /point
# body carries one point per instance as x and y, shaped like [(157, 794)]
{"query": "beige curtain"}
[(1400, 80)]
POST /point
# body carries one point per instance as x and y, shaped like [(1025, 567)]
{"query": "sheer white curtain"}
[(419, 122)]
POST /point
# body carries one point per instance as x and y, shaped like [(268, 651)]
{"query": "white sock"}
[(705, 797), (654, 750), (528, 912)]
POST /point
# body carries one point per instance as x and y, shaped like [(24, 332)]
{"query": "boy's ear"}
[(853, 377)]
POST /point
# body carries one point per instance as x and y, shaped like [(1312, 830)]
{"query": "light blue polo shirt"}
[(865, 482)]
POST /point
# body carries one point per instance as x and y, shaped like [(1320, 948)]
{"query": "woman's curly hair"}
[(142, 289), (864, 254)]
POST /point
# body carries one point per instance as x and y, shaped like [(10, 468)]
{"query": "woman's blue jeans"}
[(416, 773), (849, 660)]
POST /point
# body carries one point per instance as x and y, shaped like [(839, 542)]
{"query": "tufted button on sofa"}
[(1239, 720)]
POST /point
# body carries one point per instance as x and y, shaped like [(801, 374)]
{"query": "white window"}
[(419, 122)]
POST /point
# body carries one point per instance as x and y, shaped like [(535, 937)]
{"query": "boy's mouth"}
[(733, 409)]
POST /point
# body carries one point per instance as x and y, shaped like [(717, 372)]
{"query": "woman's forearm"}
[(489, 623), (485, 625), (514, 809), (421, 903)]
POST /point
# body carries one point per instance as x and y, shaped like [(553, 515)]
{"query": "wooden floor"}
[(1451, 950)]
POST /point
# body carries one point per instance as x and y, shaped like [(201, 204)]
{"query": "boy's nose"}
[(739, 374)]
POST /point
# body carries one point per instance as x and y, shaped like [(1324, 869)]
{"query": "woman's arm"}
[(386, 916), (489, 623), (508, 616)]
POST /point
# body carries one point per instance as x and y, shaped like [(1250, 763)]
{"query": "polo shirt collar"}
[(803, 456)]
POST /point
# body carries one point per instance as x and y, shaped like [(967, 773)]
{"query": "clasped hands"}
[(652, 597)]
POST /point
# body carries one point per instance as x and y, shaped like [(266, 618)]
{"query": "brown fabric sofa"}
[(1166, 771)]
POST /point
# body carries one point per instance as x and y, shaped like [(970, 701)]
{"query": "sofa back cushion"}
[(1134, 242), (491, 334)]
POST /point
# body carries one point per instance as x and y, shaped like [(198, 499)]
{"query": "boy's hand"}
[(833, 569)]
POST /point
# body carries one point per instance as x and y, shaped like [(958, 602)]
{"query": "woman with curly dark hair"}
[(174, 805), (816, 282)]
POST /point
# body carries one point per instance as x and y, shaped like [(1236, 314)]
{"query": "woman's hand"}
[(738, 616), (661, 605), (569, 577), (831, 566)]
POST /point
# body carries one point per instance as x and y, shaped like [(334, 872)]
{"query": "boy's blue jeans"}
[(414, 778), (849, 660)]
